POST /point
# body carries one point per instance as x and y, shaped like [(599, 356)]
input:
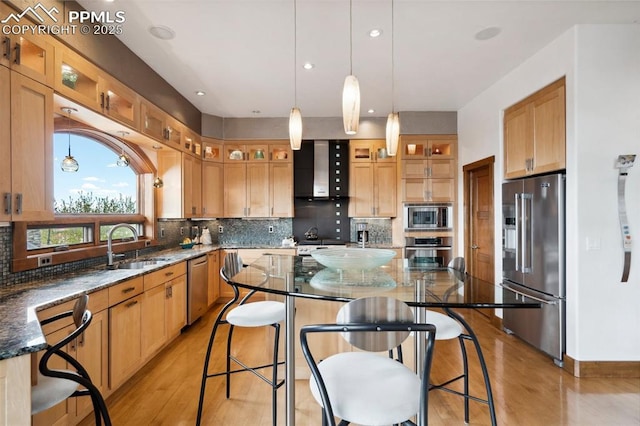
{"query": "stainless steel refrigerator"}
[(533, 260)]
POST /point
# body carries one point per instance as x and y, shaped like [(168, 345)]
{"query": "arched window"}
[(89, 201)]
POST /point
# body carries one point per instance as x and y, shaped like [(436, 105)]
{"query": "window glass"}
[(99, 186), (53, 236)]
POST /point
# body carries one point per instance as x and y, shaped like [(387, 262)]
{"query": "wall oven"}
[(428, 217), (434, 252)]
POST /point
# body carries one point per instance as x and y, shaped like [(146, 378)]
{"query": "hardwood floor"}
[(528, 388)]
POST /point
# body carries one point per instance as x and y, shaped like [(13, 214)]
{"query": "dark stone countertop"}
[(20, 332)]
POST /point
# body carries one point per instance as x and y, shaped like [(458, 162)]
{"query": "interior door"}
[(479, 241)]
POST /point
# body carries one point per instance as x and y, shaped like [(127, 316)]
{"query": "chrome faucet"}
[(110, 255)]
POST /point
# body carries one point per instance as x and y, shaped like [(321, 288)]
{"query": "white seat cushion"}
[(257, 314), (446, 327), (368, 388), (50, 391)]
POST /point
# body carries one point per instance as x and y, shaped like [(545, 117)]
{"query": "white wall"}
[(602, 69)]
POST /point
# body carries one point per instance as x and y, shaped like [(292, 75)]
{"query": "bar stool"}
[(53, 385), (254, 314), (453, 326)]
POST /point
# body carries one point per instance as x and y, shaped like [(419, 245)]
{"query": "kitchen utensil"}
[(311, 234)]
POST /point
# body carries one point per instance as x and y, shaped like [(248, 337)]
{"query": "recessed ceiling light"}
[(162, 32), (200, 93), (308, 66), (487, 33), (376, 32), (371, 111)]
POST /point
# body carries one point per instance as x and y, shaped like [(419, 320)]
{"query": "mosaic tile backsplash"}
[(235, 232)]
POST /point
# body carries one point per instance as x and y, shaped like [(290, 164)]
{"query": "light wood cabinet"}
[(15, 406), (176, 306), (428, 168), (28, 194), (76, 78), (159, 125), (213, 290), (28, 54), (372, 180), (181, 194), (153, 320), (534, 133), (119, 102), (125, 332), (281, 189), (5, 146), (212, 189), (246, 189)]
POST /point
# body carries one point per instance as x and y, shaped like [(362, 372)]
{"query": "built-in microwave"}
[(428, 217)]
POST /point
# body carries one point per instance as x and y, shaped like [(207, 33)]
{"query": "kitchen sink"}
[(138, 264)]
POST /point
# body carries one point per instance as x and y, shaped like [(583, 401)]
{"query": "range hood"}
[(321, 170)]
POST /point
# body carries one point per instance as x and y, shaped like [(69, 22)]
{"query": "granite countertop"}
[(21, 333)]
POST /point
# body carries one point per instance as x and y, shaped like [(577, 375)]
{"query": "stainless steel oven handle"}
[(518, 236), (537, 299)]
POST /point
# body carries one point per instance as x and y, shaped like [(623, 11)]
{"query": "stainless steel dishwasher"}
[(197, 287)]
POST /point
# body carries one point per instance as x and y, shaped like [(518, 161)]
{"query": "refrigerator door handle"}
[(518, 238), (537, 299), (526, 229)]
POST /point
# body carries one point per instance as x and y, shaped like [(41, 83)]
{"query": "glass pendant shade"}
[(123, 160), (393, 133), (69, 164), (295, 128), (351, 105), (158, 183)]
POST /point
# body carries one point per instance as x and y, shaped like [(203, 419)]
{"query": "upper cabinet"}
[(428, 167), (119, 102), (30, 55), (372, 180), (212, 178), (534, 133), (27, 148), (180, 196), (76, 78)]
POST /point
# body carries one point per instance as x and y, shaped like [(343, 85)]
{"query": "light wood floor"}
[(528, 388)]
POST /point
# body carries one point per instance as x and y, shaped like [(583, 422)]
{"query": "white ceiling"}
[(241, 52)]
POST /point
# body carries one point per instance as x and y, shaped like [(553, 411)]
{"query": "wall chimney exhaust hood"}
[(321, 170)]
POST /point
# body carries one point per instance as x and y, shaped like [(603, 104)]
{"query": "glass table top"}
[(302, 276)]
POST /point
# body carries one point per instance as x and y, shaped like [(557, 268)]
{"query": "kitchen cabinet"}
[(164, 307), (15, 406), (281, 189), (212, 179), (213, 290), (118, 102), (246, 189), (27, 174), (428, 168), (157, 124), (534, 133), (191, 141), (181, 194), (76, 78), (125, 331), (28, 54), (372, 180)]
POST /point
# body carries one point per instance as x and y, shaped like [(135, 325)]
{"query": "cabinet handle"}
[(7, 203), (19, 203), (128, 290), (168, 274), (7, 48), (108, 103), (167, 293), (81, 339), (102, 100), (17, 60), (429, 152), (130, 304)]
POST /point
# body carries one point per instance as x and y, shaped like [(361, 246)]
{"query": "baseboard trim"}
[(607, 369), (602, 369)]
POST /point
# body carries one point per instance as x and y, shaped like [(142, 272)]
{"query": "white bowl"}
[(353, 258)]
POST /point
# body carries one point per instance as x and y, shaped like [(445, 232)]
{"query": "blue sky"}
[(98, 172)]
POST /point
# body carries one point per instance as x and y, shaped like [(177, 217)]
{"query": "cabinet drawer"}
[(163, 275), (125, 290), (97, 303)]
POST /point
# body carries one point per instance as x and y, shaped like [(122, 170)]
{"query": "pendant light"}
[(351, 90), (157, 182), (393, 120), (123, 160), (295, 117), (69, 164)]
